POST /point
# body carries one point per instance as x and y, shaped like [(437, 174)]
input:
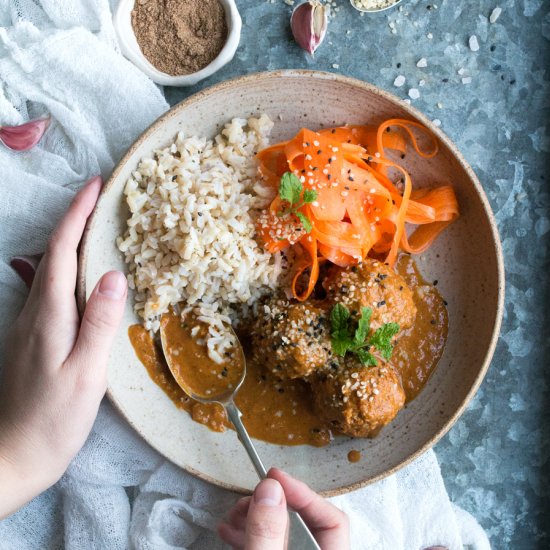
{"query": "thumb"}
[(267, 519), (101, 320)]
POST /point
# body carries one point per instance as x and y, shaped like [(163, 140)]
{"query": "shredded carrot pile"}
[(361, 207)]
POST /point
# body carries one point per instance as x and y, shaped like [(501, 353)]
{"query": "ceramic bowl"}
[(375, 10), (122, 21), (466, 260)]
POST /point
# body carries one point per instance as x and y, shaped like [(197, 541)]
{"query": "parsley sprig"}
[(346, 340), (290, 190)]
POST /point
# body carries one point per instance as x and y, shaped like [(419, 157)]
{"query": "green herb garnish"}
[(290, 190), (346, 340)]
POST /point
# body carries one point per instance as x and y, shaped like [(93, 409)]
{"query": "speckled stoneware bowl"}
[(466, 260)]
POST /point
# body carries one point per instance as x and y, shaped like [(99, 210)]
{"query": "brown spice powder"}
[(179, 36)]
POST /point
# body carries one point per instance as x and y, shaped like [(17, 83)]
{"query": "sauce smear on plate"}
[(281, 412)]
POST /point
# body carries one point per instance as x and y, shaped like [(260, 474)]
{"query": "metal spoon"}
[(300, 537), (374, 10)]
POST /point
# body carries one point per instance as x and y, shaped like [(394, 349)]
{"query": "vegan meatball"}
[(292, 340), (358, 401), (374, 285)]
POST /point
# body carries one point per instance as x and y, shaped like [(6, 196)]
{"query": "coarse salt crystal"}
[(436, 122), (335, 66), (399, 81), (422, 63), (474, 44), (495, 14), (467, 80), (422, 83), (414, 93)]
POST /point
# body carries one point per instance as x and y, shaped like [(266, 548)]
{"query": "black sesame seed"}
[(445, 80), (435, 282), (432, 322)]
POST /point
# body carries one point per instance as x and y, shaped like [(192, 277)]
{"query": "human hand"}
[(260, 522), (55, 370)]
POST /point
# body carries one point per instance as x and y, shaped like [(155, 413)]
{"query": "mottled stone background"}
[(496, 459)]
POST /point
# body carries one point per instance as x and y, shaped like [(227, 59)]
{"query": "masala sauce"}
[(184, 345), (278, 412), (419, 349), (282, 412), (354, 456)]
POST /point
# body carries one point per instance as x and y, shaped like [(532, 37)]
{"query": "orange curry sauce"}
[(282, 412)]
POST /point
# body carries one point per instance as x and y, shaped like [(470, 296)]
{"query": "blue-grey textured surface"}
[(496, 459)]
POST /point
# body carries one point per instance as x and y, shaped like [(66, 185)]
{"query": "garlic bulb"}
[(25, 136), (309, 23)]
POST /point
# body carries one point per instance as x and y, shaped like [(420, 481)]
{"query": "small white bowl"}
[(129, 46)]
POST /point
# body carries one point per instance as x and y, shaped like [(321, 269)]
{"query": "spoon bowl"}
[(180, 348)]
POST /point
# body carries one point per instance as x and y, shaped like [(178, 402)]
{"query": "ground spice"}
[(179, 36)]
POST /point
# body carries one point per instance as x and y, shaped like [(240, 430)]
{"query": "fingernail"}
[(268, 493), (113, 285)]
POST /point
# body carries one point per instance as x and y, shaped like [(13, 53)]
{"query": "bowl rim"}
[(226, 54), (413, 112)]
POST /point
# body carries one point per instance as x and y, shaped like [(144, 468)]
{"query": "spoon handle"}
[(300, 537), (234, 415)]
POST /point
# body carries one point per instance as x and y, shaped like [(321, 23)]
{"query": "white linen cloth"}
[(60, 58)]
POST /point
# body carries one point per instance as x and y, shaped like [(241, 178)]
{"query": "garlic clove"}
[(24, 136), (25, 267), (309, 23)]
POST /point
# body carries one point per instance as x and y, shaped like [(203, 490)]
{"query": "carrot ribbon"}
[(360, 210)]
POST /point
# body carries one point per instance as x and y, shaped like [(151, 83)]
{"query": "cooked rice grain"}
[(190, 236)]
